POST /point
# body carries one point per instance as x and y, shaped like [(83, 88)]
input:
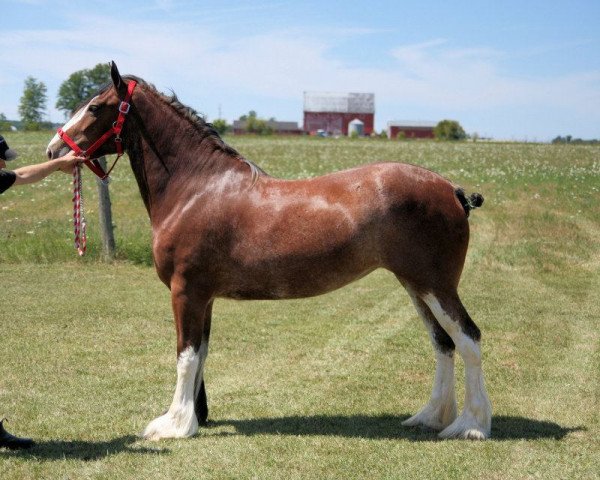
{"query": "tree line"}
[(575, 141)]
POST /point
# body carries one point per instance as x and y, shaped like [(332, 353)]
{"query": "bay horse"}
[(223, 228)]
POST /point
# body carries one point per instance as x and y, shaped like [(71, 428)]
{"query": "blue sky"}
[(525, 70)]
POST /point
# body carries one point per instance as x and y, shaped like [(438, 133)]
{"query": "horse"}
[(223, 228)]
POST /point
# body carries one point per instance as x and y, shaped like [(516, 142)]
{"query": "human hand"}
[(66, 163)]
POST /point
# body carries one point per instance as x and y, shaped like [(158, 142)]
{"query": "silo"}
[(356, 128)]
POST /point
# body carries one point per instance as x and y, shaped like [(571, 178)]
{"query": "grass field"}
[(316, 388)]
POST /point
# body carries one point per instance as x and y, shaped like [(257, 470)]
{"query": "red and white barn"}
[(332, 112), (410, 129)]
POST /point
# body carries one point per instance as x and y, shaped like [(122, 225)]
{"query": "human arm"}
[(36, 172)]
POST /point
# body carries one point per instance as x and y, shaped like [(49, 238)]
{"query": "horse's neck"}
[(170, 150)]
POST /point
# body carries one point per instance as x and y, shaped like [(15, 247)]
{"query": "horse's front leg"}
[(191, 314), (201, 404)]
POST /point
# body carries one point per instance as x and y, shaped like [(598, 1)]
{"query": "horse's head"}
[(94, 119)]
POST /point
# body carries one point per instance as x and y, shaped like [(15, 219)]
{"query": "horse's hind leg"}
[(192, 348), (476, 418), (440, 411)]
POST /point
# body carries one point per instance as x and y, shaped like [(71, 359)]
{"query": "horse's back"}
[(374, 189)]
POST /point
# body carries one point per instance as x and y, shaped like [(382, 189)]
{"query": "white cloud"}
[(474, 78)]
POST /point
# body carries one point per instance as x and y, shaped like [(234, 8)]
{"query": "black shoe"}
[(10, 441)]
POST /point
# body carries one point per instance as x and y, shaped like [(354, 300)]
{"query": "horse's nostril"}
[(49, 154)]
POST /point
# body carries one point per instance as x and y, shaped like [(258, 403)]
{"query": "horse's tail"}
[(469, 203)]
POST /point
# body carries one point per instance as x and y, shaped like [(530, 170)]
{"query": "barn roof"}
[(339, 102)]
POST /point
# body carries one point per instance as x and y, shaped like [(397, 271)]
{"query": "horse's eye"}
[(94, 108)]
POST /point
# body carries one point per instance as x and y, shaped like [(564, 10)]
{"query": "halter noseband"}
[(115, 131)]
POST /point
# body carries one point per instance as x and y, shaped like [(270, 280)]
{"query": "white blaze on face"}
[(56, 140)]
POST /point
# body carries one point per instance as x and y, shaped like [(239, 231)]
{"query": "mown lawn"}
[(316, 388)]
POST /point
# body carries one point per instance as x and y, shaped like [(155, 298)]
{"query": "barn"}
[(332, 112), (410, 129)]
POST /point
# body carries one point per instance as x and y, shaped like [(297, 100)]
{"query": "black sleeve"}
[(7, 178)]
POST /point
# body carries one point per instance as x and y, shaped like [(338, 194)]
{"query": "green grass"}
[(316, 388)]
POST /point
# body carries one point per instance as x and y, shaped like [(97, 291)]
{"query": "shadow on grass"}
[(355, 426), (82, 450), (384, 427)]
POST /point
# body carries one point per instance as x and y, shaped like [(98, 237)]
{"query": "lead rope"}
[(79, 223)]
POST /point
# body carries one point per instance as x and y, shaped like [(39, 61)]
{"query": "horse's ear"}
[(116, 76)]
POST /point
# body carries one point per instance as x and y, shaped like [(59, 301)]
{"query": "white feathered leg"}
[(440, 411), (180, 420), (475, 421)]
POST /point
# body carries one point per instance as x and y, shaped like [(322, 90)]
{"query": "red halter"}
[(115, 131)]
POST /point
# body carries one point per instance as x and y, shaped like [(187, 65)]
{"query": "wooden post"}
[(105, 215)]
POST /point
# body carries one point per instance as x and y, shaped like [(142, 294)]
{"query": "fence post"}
[(105, 214)]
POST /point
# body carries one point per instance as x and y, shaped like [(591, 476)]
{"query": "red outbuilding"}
[(276, 127), (410, 129), (330, 113)]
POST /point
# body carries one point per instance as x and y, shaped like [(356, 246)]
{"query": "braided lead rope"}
[(79, 223)]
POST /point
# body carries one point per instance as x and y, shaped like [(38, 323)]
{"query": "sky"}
[(515, 70)]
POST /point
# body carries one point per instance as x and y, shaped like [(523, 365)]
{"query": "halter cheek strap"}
[(115, 131)]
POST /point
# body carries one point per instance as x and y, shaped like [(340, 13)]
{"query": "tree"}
[(449, 130), (257, 125), (4, 123), (221, 126), (33, 103), (79, 87)]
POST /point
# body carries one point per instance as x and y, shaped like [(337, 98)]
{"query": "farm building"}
[(332, 112), (278, 128), (410, 129)]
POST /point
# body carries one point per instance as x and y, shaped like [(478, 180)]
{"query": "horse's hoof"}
[(465, 428), (433, 416), (418, 421), (170, 426)]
